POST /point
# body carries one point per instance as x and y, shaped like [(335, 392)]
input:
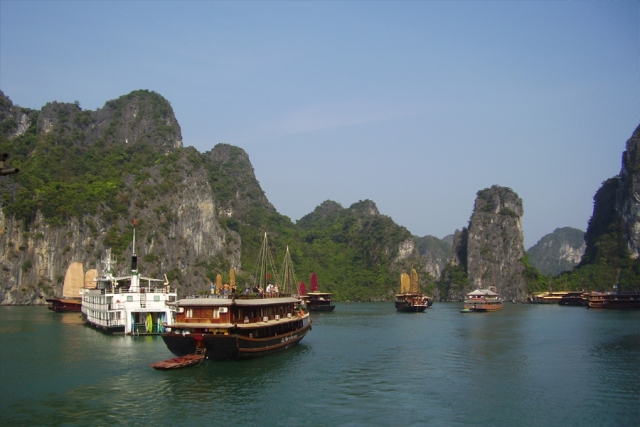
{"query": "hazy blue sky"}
[(415, 105)]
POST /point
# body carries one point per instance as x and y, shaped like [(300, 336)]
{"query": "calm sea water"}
[(362, 365)]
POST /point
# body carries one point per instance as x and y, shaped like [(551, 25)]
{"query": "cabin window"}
[(129, 298), (189, 312), (215, 314), (156, 298), (171, 298)]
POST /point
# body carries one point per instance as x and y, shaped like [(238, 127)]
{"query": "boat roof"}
[(121, 278), (318, 293), (239, 324), (201, 325), (482, 292), (218, 302), (193, 302), (266, 301)]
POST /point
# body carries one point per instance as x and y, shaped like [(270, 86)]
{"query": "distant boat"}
[(410, 299), (578, 298), (625, 300), (64, 305), (548, 297), (70, 300), (316, 300), (482, 300)]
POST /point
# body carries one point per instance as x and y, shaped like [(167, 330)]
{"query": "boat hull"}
[(412, 303), (112, 329), (63, 305), (233, 346), (629, 300), (406, 307), (574, 301), (488, 309), (483, 306)]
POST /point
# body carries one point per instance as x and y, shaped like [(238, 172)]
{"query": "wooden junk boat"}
[(626, 300), (482, 300), (410, 299), (578, 298), (64, 305), (316, 300), (549, 297), (235, 327), (70, 300)]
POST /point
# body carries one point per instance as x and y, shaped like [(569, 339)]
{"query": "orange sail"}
[(405, 285)]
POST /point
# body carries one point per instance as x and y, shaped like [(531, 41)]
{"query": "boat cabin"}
[(224, 315)]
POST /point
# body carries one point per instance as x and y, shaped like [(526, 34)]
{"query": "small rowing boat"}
[(179, 362)]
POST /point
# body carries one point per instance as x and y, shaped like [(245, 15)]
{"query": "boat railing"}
[(141, 328), (242, 295), (147, 290), (105, 322), (220, 296)]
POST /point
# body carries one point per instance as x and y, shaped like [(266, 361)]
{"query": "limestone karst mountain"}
[(490, 250), (559, 251)]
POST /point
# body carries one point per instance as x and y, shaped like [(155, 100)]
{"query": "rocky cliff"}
[(490, 250), (627, 202), (178, 233), (613, 232), (558, 251), (435, 253), (86, 175)]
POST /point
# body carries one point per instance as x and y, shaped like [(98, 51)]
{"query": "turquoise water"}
[(362, 365)]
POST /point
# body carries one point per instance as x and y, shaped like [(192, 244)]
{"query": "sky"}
[(415, 105)]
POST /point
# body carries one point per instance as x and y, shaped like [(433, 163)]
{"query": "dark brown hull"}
[(615, 301), (410, 308), (573, 301), (233, 346), (58, 305)]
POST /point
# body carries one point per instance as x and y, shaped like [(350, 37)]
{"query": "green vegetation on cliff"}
[(76, 164), (68, 171)]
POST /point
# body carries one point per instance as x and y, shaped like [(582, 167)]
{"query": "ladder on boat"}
[(143, 300)]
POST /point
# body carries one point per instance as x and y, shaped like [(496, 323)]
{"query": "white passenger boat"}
[(132, 305)]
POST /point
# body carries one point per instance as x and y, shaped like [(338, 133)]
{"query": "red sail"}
[(302, 288), (314, 282)]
